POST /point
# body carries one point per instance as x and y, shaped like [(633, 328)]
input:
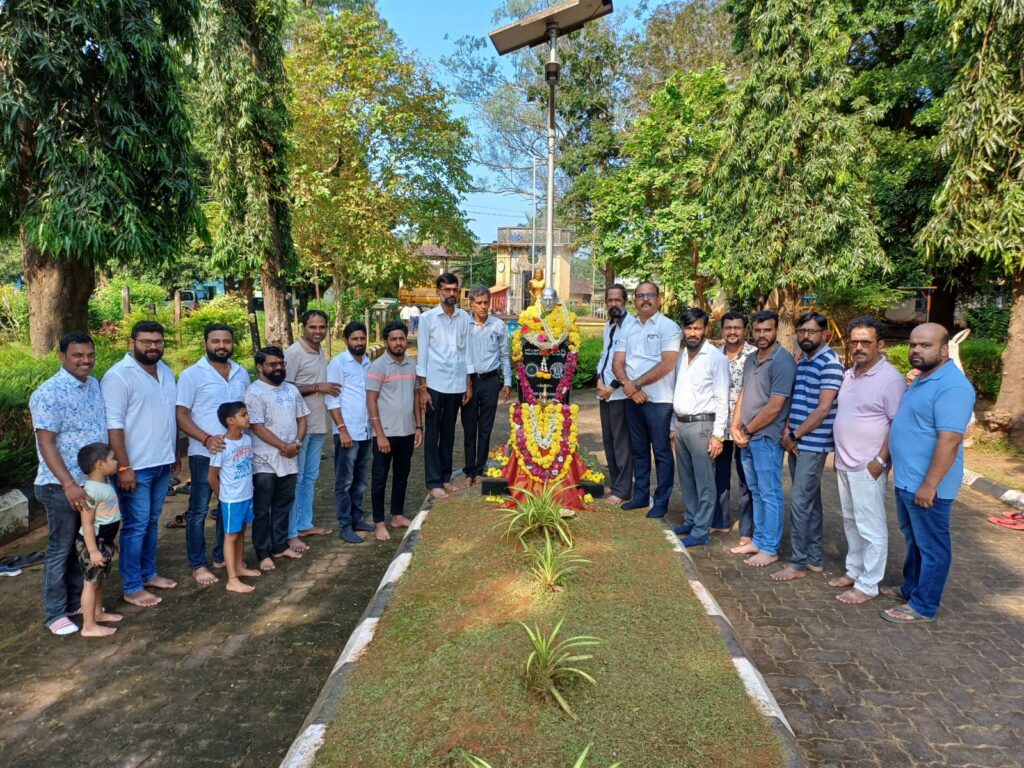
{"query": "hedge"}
[(982, 360)]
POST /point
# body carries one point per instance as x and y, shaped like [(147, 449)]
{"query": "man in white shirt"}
[(618, 451), (491, 359), (414, 314), (701, 405), (351, 428), (202, 389), (277, 425), (645, 363), (443, 380), (139, 395)]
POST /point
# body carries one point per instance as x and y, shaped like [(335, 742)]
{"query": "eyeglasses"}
[(646, 295), (145, 343), (808, 331), (859, 343)]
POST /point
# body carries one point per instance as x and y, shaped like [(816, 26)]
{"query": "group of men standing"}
[(667, 392)]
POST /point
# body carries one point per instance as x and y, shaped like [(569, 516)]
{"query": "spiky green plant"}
[(552, 662), (537, 513), (478, 762), (551, 565)]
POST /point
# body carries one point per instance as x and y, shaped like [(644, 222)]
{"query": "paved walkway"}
[(861, 692)]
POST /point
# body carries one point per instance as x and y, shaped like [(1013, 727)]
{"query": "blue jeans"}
[(762, 465), (195, 518), (649, 427), (351, 466), (140, 515), (929, 551), (62, 575), (301, 516)]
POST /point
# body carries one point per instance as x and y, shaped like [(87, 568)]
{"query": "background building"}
[(515, 268)]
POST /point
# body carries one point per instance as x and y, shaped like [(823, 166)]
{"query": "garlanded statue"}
[(537, 285)]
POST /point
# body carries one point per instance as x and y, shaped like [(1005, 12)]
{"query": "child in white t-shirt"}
[(231, 479), (96, 541)]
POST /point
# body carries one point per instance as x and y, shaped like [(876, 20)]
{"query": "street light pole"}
[(551, 71), (533, 221)]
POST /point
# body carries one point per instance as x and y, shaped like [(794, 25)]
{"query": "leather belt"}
[(695, 417), (486, 375)]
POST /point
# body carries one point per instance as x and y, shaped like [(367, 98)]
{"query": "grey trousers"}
[(805, 470), (617, 448), (696, 474)]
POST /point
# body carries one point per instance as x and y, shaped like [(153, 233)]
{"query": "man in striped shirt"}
[(808, 439)]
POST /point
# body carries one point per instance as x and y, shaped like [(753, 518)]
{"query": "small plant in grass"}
[(551, 565), (581, 761), (551, 664), (538, 513)]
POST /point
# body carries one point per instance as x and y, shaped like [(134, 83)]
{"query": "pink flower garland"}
[(539, 473)]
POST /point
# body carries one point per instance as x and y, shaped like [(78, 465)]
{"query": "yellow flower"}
[(493, 472), (588, 498)]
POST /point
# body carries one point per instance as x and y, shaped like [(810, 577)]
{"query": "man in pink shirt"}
[(868, 399)]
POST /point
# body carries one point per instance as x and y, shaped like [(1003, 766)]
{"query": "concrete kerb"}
[(989, 487), (752, 679), (327, 707)]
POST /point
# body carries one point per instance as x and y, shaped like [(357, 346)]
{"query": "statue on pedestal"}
[(537, 285)]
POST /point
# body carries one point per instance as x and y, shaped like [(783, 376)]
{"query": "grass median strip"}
[(445, 675)]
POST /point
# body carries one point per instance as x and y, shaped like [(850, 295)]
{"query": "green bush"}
[(589, 357), (13, 313), (226, 309), (106, 304), (989, 321), (982, 360)]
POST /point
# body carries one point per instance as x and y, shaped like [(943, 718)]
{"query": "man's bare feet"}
[(761, 559), (161, 582), (789, 573), (841, 582), (614, 500), (815, 568), (235, 585), (219, 566), (298, 545), (109, 617), (854, 597), (380, 532), (289, 553), (400, 521), (451, 487), (745, 549), (316, 532), (438, 493), (249, 572), (98, 631), (204, 577), (142, 599), (744, 540), (720, 530), (267, 564)]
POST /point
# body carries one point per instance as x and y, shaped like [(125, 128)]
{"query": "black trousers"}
[(723, 484), (439, 436), (478, 421), (272, 500), (618, 450), (401, 457)]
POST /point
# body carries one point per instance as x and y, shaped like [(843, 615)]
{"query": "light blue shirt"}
[(344, 370), (442, 350), (202, 390), (489, 347), (143, 406), (72, 409), (942, 402)]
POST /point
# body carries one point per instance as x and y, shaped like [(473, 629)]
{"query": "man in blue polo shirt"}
[(808, 440), (928, 464)]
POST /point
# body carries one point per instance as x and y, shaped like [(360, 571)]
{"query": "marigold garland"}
[(545, 438)]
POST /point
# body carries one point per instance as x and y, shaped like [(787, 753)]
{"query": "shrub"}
[(989, 321), (538, 513), (589, 356), (551, 565), (107, 301), (226, 309), (982, 360), (551, 663), (13, 312)]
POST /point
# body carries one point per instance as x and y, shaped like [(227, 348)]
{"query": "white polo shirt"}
[(612, 332), (202, 390), (143, 406), (344, 370), (643, 345)]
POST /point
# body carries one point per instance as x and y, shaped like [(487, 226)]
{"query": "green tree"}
[(242, 95), (790, 194), (96, 159), (979, 210)]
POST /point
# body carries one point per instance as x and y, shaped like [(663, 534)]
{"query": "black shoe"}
[(658, 512), (637, 502), (682, 530), (347, 534), (362, 525)]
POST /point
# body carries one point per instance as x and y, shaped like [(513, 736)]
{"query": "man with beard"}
[(701, 405), (443, 379), (737, 350), (395, 420), (306, 366), (645, 363), (808, 439), (202, 388), (139, 395), (67, 414), (277, 425), (614, 429), (868, 401), (926, 441), (757, 424), (351, 428)]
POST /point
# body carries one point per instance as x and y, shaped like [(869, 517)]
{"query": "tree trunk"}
[(278, 327), (58, 296), (786, 302), (1008, 414), (339, 308)]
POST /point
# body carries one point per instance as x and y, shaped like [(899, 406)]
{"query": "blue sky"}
[(423, 26)]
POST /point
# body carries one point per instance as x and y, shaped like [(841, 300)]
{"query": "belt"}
[(695, 417), (487, 375)]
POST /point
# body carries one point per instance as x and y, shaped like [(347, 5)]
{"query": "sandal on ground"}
[(913, 617), (1014, 524), (178, 521), (894, 593)]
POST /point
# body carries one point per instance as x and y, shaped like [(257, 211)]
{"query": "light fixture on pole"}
[(541, 27)]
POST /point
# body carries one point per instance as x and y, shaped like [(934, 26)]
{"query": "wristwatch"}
[(615, 384), (793, 437), (883, 462)]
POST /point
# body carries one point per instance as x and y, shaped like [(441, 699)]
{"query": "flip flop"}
[(1013, 524), (178, 521), (913, 617), (894, 593), (1012, 514)]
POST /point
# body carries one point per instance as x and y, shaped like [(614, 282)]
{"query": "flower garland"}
[(544, 438), (547, 334)]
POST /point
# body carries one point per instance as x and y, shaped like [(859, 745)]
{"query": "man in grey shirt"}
[(758, 420)]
